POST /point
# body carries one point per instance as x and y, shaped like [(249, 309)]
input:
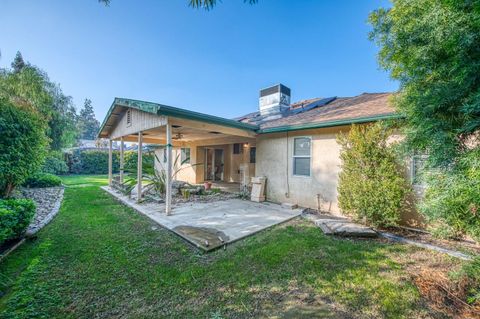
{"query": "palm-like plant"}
[(154, 179)]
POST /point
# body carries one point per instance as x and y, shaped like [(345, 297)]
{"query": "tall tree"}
[(88, 124), (18, 63), (433, 48)]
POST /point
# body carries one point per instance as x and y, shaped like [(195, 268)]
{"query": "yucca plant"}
[(155, 179)]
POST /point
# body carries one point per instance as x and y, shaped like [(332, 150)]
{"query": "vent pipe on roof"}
[(274, 101)]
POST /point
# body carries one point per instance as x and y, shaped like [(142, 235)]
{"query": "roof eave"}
[(306, 126)]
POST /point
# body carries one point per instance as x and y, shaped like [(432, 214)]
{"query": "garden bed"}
[(47, 200)]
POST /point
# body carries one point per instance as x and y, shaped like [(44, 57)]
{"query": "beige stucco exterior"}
[(275, 161)]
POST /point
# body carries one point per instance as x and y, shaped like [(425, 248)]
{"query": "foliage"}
[(87, 123), (452, 197), (155, 178), (55, 164), (469, 278), (371, 185), (15, 216), (42, 180), (27, 85), (69, 274), (433, 48), (22, 145), (206, 4), (92, 162)]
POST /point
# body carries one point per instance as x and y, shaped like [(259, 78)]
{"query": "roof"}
[(305, 114), (363, 108), (161, 109)]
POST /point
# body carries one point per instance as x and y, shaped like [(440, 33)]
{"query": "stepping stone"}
[(344, 228)]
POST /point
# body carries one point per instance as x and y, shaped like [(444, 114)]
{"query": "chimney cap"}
[(277, 88)]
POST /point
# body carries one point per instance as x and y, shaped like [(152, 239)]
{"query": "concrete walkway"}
[(214, 224)]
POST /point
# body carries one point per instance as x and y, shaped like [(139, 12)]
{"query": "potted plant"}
[(207, 185)]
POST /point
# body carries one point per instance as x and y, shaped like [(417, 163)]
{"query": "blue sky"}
[(208, 61)]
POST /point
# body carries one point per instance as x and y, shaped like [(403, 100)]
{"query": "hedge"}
[(96, 161), (43, 180), (15, 216)]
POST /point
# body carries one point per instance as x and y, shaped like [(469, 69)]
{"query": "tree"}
[(18, 64), (88, 124), (31, 87), (433, 48), (371, 185), (22, 146)]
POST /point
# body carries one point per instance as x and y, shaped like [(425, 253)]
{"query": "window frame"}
[(413, 171), (302, 156), (254, 149), (189, 155)]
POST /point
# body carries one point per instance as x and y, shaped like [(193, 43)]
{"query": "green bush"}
[(96, 161), (371, 185), (452, 198), (54, 164), (43, 180), (468, 278), (92, 162), (15, 216), (22, 145)]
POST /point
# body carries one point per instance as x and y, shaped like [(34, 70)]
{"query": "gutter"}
[(297, 127)]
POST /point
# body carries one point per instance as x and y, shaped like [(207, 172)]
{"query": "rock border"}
[(32, 230)]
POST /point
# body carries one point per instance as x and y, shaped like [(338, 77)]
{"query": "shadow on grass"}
[(101, 259)]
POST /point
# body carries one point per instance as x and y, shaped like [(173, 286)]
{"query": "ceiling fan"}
[(177, 136)]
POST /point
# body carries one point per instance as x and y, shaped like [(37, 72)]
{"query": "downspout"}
[(287, 194)]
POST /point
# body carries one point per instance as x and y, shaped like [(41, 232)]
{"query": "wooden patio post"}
[(139, 166), (110, 166), (122, 147), (168, 197)]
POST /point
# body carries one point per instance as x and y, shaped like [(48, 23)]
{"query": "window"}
[(237, 148), (129, 117), (185, 155), (301, 156), (418, 168), (253, 155)]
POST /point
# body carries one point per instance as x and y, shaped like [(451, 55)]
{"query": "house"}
[(292, 144)]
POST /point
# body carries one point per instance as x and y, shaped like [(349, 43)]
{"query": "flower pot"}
[(207, 185)]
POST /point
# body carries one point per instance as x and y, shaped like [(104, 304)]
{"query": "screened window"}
[(301, 156), (418, 168), (253, 155), (237, 148), (185, 155)]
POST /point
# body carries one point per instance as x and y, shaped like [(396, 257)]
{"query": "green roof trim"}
[(306, 126), (161, 109)]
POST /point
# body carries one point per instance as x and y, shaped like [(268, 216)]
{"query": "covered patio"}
[(174, 128)]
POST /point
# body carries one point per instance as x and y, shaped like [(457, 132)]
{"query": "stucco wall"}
[(275, 161)]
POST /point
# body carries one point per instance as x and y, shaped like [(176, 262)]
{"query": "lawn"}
[(99, 259)]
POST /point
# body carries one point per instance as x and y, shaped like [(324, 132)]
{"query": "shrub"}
[(371, 184), (452, 198), (96, 161), (92, 162), (54, 164), (43, 180), (15, 216), (468, 278), (22, 145)]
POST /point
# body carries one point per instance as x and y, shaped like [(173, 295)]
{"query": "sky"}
[(213, 61)]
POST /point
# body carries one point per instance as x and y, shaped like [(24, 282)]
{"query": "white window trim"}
[(413, 171), (301, 156)]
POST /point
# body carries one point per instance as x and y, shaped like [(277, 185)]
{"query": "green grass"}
[(99, 259)]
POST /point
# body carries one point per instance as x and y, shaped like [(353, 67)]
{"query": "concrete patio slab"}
[(214, 224)]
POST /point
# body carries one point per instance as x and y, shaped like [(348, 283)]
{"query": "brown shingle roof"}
[(343, 108)]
